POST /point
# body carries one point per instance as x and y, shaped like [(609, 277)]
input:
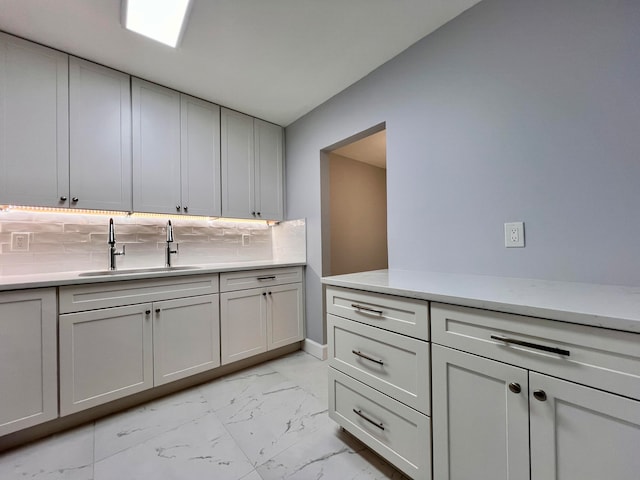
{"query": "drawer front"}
[(601, 358), (394, 364), (397, 314), (230, 281), (396, 432), (78, 298)]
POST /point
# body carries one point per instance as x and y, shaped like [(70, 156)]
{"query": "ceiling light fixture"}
[(160, 20)]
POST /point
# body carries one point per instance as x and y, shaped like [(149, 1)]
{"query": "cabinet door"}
[(237, 161), (186, 337), (580, 433), (269, 174), (104, 355), (100, 137), (480, 427), (156, 148), (200, 159), (285, 318), (28, 359), (243, 324), (34, 124)]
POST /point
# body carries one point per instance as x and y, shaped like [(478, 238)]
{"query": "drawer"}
[(78, 298), (401, 315), (396, 432), (230, 281), (601, 358), (394, 364)]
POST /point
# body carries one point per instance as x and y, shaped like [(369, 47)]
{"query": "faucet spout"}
[(168, 251), (112, 233), (113, 252)]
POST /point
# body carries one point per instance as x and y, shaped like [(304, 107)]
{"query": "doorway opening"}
[(354, 204)]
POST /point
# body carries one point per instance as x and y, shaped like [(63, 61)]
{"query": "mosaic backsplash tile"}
[(62, 242)]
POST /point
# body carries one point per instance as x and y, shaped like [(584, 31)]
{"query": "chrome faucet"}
[(113, 252), (169, 252)]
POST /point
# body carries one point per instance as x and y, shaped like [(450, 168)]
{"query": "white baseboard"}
[(315, 349)]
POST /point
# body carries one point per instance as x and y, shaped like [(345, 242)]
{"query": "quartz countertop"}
[(607, 306), (40, 280)]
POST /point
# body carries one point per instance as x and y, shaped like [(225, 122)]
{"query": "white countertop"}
[(607, 306), (39, 280)]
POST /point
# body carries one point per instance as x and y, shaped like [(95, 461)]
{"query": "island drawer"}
[(394, 364), (402, 315), (598, 357), (396, 432)]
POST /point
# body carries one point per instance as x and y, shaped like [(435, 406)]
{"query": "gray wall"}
[(517, 110)]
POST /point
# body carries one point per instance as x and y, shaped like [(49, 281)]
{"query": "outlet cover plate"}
[(514, 234), (19, 242)]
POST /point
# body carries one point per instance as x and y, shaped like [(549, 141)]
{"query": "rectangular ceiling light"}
[(161, 20)]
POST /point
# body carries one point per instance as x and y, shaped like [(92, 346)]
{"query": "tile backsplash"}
[(61, 242)]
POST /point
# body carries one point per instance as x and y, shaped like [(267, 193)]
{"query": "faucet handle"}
[(123, 251)]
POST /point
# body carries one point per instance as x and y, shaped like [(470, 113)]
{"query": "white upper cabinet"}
[(252, 167), (200, 159), (156, 148), (34, 124), (269, 174), (100, 137), (176, 160)]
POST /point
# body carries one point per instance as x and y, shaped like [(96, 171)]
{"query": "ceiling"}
[(273, 59), (371, 150)]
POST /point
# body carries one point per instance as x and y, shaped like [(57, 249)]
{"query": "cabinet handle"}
[(367, 357), (147, 312), (540, 395), (178, 208), (269, 277), (515, 387), (157, 310), (372, 422), (253, 213), (544, 348), (75, 199), (63, 199), (366, 309), (264, 294), (259, 214), (269, 293), (186, 209)]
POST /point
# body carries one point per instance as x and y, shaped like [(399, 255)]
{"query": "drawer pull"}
[(367, 357), (544, 348), (269, 277), (366, 309), (372, 422)]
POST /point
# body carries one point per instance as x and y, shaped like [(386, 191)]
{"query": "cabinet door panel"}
[(104, 355), (28, 359), (186, 337), (237, 162), (200, 159), (156, 148), (34, 124), (100, 137), (480, 428), (269, 174), (580, 433), (285, 323), (243, 324)]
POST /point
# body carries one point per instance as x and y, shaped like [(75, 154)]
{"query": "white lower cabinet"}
[(493, 420), (110, 353), (28, 359), (255, 320), (480, 426), (186, 337), (104, 355), (379, 374)]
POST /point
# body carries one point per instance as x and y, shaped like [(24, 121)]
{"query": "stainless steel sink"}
[(101, 273)]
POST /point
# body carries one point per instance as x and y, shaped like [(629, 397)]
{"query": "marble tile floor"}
[(267, 422)]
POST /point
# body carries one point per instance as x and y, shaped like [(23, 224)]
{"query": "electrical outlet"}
[(245, 239), (19, 242), (514, 234)]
